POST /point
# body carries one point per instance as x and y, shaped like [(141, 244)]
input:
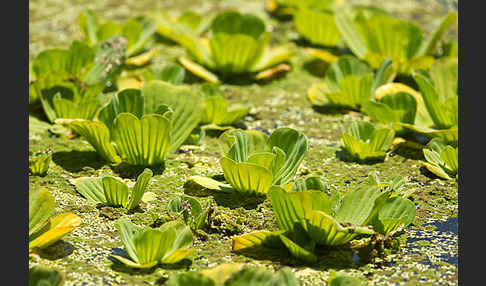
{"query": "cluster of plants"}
[(106, 90)]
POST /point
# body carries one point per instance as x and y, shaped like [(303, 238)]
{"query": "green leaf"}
[(291, 208), (218, 112), (256, 239), (98, 135), (238, 144), (313, 183), (54, 61), (147, 247), (41, 207), (394, 213), (429, 47), (199, 70), (318, 27), (357, 205), (271, 57), (107, 30), (139, 188), (128, 100), (171, 73), (138, 32), (39, 163), (325, 230), (116, 191), (88, 22), (246, 177), (442, 159), (363, 141), (144, 141), (350, 33), (187, 108), (92, 189), (294, 145)]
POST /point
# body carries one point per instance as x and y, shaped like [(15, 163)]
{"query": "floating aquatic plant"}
[(438, 87), (349, 82), (442, 159), (68, 81), (232, 274), (44, 230), (42, 276), (308, 218), (391, 109), (377, 36), (217, 112), (194, 214), (170, 72), (147, 247), (136, 31), (253, 162), (142, 126), (363, 141), (39, 162), (236, 44), (112, 191)]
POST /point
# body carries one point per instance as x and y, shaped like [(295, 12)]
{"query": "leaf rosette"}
[(68, 81), (363, 141), (438, 88), (146, 247), (112, 191), (376, 36), (236, 44), (254, 161), (137, 33), (442, 159), (308, 217), (141, 127), (349, 82)]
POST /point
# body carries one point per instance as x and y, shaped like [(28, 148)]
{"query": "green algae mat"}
[(194, 170)]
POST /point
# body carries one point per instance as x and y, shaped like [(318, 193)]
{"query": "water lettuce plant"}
[(377, 36), (317, 26), (438, 87), (42, 276), (290, 7), (349, 82), (442, 159), (217, 112), (39, 162), (136, 31), (193, 213), (232, 274), (363, 141), (141, 127), (236, 44), (170, 72), (391, 109), (308, 218), (44, 230), (253, 161), (68, 81), (147, 247), (112, 191)]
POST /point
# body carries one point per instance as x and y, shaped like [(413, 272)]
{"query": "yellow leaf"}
[(208, 183)]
